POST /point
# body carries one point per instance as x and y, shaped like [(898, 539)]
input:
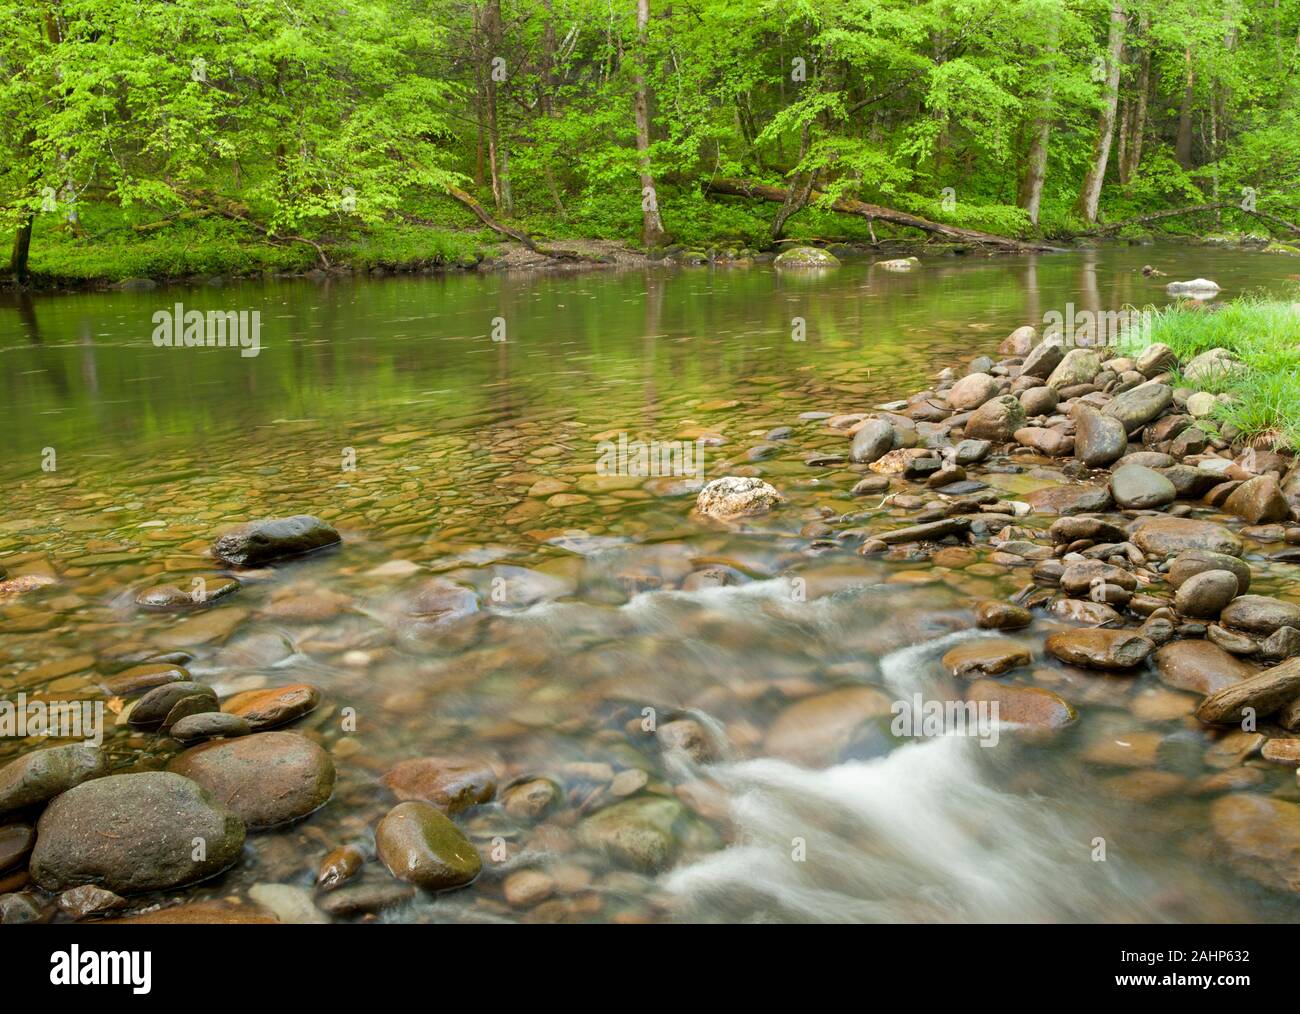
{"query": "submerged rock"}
[(1099, 648), (1166, 536), (1263, 693), (1200, 666), (1262, 837), (452, 784), (133, 833), (640, 832), (986, 656), (269, 539), (266, 709), (736, 496)]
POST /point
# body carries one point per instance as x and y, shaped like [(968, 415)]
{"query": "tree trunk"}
[(1128, 167), (498, 154), (652, 226), (1029, 194), (1090, 192), (1183, 142), (22, 249)]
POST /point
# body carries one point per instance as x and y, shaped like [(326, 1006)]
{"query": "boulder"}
[(1140, 405), (996, 420), (1079, 366), (871, 442), (972, 391), (1099, 440), (1264, 693), (40, 775), (1259, 501), (1070, 499), (736, 496), (806, 257)]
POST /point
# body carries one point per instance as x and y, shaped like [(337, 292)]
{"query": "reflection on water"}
[(599, 600)]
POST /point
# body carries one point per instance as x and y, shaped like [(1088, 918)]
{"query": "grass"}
[(1264, 334)]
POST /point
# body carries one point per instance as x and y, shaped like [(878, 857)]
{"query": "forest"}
[(177, 136)]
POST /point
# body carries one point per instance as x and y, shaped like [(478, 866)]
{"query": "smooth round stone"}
[(268, 779), (1197, 561), (452, 784), (359, 899), (1136, 487), (1167, 536), (209, 725), (1100, 648), (269, 539), (171, 702), (1199, 666), (1205, 595), (1262, 836), (420, 845), (1259, 614), (266, 709), (640, 833), (972, 391), (16, 841), (84, 902), (43, 774), (530, 800), (1029, 707), (141, 678), (985, 657), (133, 833)]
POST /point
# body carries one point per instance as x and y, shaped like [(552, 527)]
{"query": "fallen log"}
[(505, 230), (849, 206)]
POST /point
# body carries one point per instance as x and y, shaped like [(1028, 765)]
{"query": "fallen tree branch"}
[(849, 206), (505, 230), (1190, 209), (218, 205)]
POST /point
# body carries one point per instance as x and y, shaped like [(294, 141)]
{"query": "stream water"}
[(387, 408)]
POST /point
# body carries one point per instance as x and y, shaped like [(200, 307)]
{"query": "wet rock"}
[(1282, 644), (970, 452), (1098, 648), (1260, 614), (141, 678), (1084, 577), (269, 539), (905, 460), (1042, 360), (530, 800), (267, 779), (639, 833), (362, 899), (420, 845), (1039, 401), (806, 257), (209, 725), (202, 913), (163, 706), (1083, 498), (1282, 751), (872, 442), (1261, 836), (1099, 440), (1200, 666), (1073, 529), (1258, 501), (984, 657), (1148, 459), (870, 484), (688, 737), (996, 420), (41, 775), (1140, 405), (20, 909), (1135, 487), (1197, 561), (291, 905), (1264, 693), (338, 867), (1204, 595), (1166, 536), (526, 888), (815, 730), (1051, 442), (266, 709), (993, 615), (931, 531), (16, 842), (84, 902), (133, 833), (1097, 614), (736, 496), (1030, 707), (1232, 641), (453, 784), (972, 391)]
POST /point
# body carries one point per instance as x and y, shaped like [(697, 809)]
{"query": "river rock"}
[(736, 496), (1282, 644), (41, 775), (1099, 440), (871, 442), (1203, 596), (531, 800), (269, 539), (1099, 648), (1039, 401), (1019, 342), (806, 257), (420, 845), (1260, 614), (1258, 501), (814, 731), (83, 902), (164, 706), (639, 833), (16, 841), (1139, 405), (994, 615), (1079, 366), (984, 657), (1166, 536), (453, 784), (1264, 692), (265, 709), (267, 779), (972, 391), (1210, 365), (360, 899), (209, 725), (1051, 442), (1075, 528), (1136, 487), (1029, 707), (1042, 360), (1200, 666), (133, 833), (1155, 359), (1261, 836), (1082, 577), (140, 678), (1070, 499), (1197, 561), (996, 420)]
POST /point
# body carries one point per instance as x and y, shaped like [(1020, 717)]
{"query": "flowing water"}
[(387, 408)]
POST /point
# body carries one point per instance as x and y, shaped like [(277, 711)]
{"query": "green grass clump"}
[(1265, 335)]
